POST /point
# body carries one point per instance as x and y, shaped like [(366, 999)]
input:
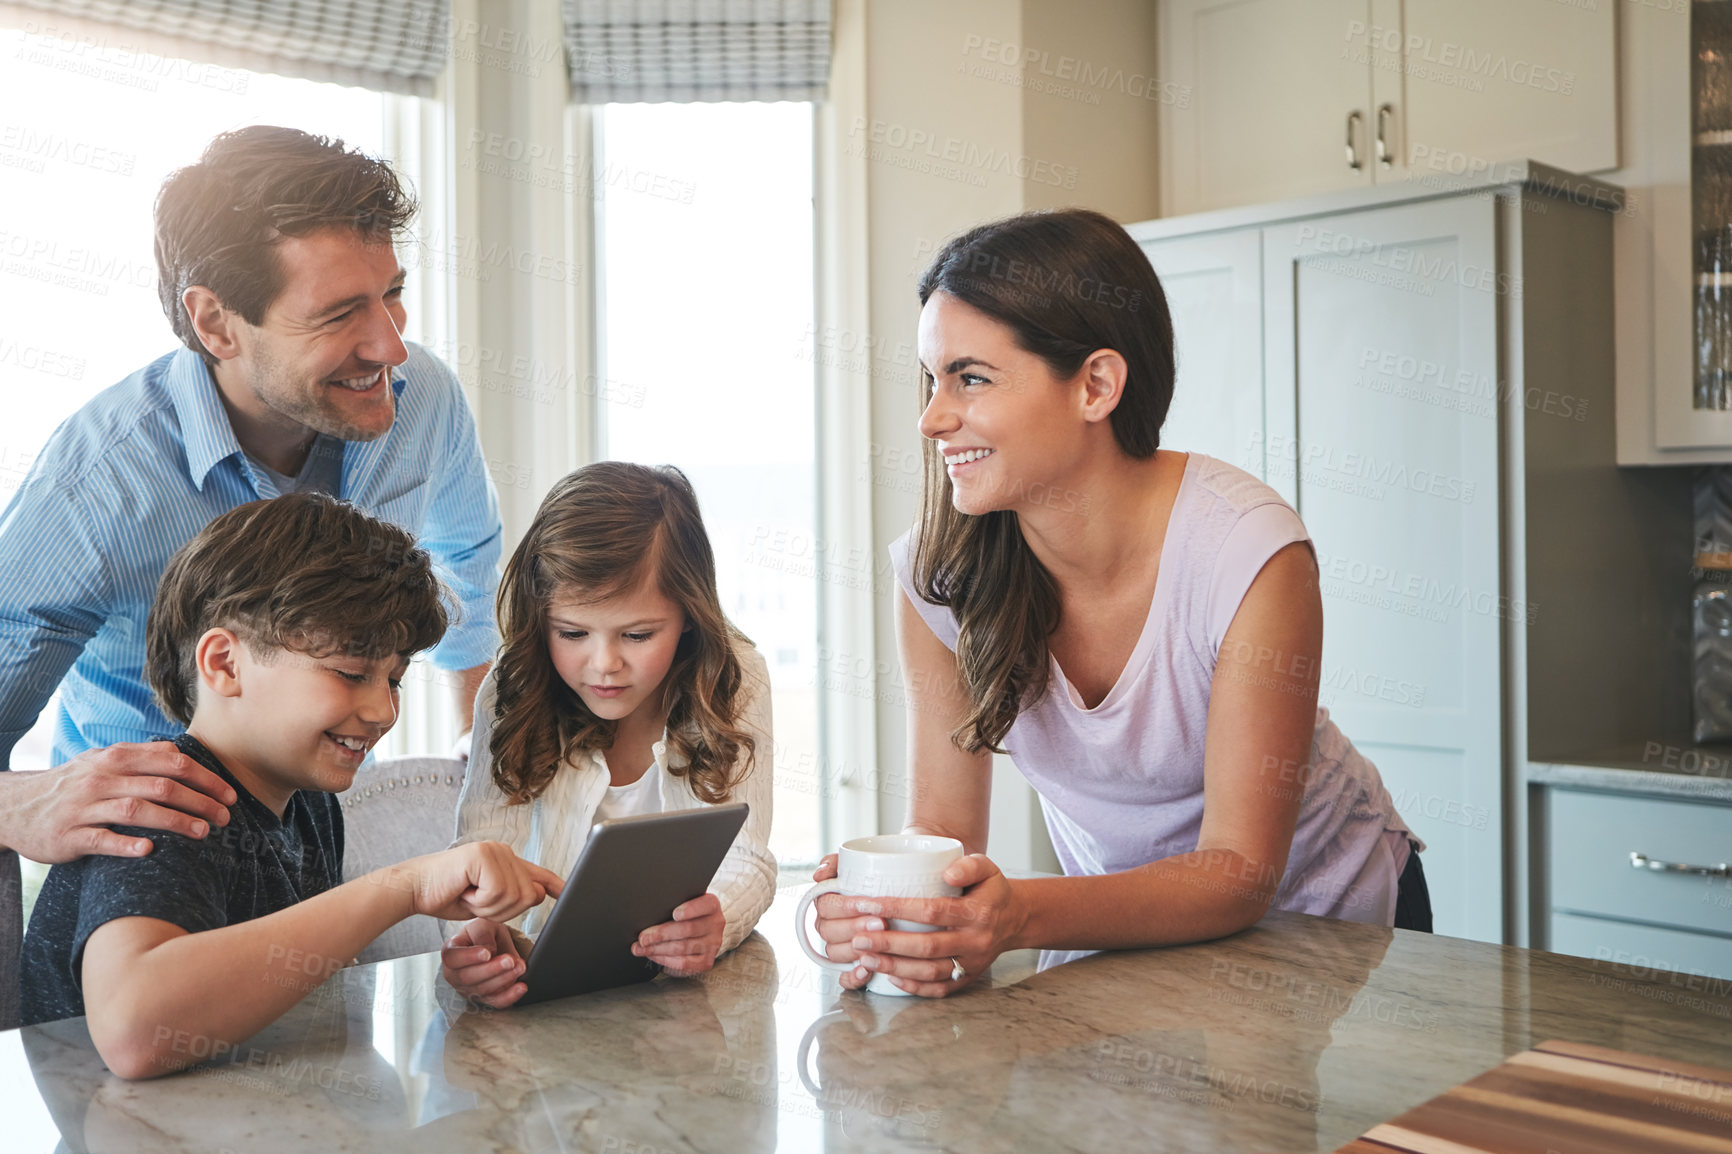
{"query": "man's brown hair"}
[(219, 221), (305, 572)]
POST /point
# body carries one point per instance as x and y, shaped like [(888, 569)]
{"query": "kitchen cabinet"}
[(1489, 81), (1214, 288), (1270, 96), (1681, 165), (1609, 898), (1288, 98), (1406, 366), (1381, 331)]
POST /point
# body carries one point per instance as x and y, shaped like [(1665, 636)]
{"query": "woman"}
[(1140, 629)]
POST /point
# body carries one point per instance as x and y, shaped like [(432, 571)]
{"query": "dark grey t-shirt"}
[(255, 865)]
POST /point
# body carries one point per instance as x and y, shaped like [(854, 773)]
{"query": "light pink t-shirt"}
[(1122, 784)]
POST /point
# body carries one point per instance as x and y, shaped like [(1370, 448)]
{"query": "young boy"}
[(278, 637)]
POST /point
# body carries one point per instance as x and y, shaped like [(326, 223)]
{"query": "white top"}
[(552, 829), (1121, 784), (642, 796)]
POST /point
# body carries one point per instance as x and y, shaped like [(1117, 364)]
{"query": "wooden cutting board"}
[(1565, 1097)]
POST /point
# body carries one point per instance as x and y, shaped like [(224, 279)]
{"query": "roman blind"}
[(389, 45), (697, 50)]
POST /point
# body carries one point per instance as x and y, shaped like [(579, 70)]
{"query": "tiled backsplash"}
[(1711, 608), (1713, 500)]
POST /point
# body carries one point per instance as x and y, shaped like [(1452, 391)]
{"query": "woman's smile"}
[(957, 461)]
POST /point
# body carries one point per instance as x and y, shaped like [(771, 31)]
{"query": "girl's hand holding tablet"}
[(482, 962), (689, 944)]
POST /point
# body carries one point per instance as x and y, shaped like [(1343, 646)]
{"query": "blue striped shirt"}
[(134, 474)]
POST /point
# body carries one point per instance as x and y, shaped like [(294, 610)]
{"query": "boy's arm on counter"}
[(159, 998)]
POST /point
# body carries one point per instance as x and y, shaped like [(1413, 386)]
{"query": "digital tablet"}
[(632, 873)]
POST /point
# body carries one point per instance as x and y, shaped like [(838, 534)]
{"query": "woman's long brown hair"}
[(1067, 284), (602, 531)]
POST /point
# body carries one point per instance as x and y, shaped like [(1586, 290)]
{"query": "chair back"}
[(11, 936), (397, 809)]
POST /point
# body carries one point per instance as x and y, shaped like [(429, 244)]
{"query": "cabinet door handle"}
[(1384, 112), (1644, 862), (1354, 119)]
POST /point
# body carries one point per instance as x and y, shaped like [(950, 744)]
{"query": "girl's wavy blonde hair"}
[(604, 530)]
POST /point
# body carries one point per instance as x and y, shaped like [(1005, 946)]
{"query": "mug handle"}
[(832, 886), (806, 1040)]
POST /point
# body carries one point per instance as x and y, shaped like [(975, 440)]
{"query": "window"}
[(705, 282), (79, 176)]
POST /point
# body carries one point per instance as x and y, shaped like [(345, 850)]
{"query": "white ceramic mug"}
[(890, 865)]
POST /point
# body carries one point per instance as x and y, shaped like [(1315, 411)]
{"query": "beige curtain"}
[(697, 50)]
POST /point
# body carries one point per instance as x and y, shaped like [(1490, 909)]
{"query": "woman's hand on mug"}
[(979, 926), (838, 924)]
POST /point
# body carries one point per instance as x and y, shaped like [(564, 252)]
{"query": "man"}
[(278, 272)]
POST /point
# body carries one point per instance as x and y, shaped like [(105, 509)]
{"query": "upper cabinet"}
[(1293, 97), (1501, 80), (1271, 94), (1675, 240)]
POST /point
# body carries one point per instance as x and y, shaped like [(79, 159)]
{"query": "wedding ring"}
[(957, 973)]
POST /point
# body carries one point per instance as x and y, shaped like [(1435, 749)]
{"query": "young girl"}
[(621, 688)]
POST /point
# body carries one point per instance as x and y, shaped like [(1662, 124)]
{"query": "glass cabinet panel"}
[(1711, 181)]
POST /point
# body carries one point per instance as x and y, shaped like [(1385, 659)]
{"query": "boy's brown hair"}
[(305, 572)]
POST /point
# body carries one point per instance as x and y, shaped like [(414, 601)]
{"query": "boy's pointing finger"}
[(548, 880)]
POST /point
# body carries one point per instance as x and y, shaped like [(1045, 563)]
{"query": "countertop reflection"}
[(1298, 1035)]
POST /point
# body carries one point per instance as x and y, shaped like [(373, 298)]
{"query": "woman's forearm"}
[(1193, 897), (973, 841)]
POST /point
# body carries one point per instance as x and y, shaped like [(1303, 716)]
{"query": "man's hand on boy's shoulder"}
[(59, 815)]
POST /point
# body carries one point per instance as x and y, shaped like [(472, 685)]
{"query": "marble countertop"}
[(1684, 771), (1296, 1035)]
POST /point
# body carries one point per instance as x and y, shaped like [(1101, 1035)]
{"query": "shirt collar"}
[(204, 423), (201, 753)]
